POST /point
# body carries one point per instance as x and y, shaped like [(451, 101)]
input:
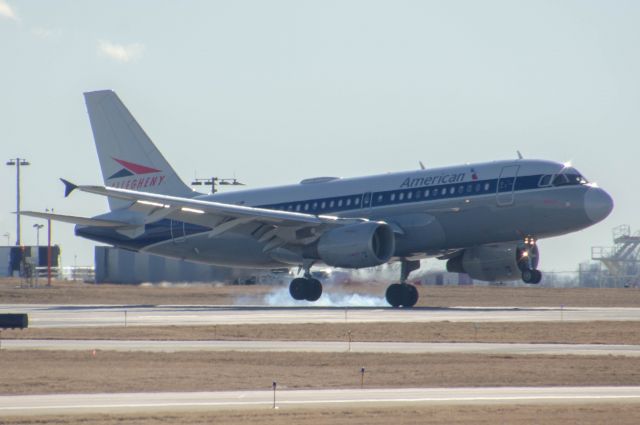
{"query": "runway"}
[(43, 316), (140, 402), (325, 346)]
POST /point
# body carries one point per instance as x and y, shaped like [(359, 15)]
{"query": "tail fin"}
[(128, 157)]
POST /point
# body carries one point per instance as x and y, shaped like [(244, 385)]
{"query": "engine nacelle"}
[(495, 262), (358, 245)]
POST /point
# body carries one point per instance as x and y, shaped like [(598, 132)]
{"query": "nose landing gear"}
[(403, 294), (529, 257)]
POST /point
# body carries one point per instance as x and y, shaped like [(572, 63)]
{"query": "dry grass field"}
[(525, 332), (42, 372), (583, 414)]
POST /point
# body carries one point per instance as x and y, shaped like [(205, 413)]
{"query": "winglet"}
[(68, 187)]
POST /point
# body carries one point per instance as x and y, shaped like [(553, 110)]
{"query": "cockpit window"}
[(569, 177), (545, 180)]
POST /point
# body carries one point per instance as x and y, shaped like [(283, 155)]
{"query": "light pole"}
[(38, 227), (18, 162), (216, 180), (49, 248)]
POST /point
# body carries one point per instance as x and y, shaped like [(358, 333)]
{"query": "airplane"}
[(483, 219)]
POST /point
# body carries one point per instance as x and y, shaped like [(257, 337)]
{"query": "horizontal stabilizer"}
[(83, 221), (68, 187)]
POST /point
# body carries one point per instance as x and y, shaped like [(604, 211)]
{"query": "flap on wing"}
[(83, 221)]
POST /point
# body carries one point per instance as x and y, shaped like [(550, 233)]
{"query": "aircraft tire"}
[(298, 288), (528, 276), (313, 290), (394, 295), (409, 295), (537, 276)]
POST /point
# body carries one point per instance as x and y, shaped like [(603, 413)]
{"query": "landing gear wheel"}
[(531, 276), (394, 294), (314, 290), (402, 294), (537, 276), (297, 288), (410, 295)]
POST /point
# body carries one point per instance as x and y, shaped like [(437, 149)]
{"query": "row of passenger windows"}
[(384, 198), (352, 201), (462, 189)]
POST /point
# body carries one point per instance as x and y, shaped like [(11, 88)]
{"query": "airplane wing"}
[(84, 221), (282, 226)]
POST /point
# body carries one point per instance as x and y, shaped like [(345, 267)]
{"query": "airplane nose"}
[(597, 204)]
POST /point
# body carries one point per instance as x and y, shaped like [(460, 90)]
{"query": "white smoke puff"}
[(281, 298)]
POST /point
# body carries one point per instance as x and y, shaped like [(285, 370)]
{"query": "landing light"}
[(153, 204), (192, 210)]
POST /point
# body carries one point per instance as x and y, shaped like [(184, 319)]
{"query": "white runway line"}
[(135, 402), (43, 316), (325, 346)]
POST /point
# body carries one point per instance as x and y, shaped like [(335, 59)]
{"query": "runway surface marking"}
[(83, 403), (43, 316), (324, 346)]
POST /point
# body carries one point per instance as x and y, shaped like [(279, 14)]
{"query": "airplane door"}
[(366, 200), (177, 231), (506, 185)]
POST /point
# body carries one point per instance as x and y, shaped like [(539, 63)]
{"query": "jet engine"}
[(358, 245), (496, 262)]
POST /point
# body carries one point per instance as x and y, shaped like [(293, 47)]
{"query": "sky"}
[(274, 92)]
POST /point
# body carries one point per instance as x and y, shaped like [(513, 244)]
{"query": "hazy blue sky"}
[(273, 92)]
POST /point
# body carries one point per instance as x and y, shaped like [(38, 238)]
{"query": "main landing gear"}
[(403, 294), (305, 288)]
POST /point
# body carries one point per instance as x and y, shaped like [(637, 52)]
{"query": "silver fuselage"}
[(432, 212)]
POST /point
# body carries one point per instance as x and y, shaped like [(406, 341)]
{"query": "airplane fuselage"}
[(432, 212)]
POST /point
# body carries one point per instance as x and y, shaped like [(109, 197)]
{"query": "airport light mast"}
[(18, 162), (212, 181)]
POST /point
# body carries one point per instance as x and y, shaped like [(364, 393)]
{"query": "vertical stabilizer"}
[(128, 158)]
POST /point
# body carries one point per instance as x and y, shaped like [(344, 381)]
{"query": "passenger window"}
[(331, 204), (356, 201), (478, 187), (298, 207), (400, 196), (460, 190), (323, 205), (380, 198), (393, 197), (486, 187), (306, 206), (418, 194), (348, 202), (339, 203), (435, 192), (426, 193), (289, 207), (469, 188), (409, 195), (315, 205), (452, 190)]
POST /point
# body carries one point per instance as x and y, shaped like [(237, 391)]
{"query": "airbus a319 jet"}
[(482, 219)]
